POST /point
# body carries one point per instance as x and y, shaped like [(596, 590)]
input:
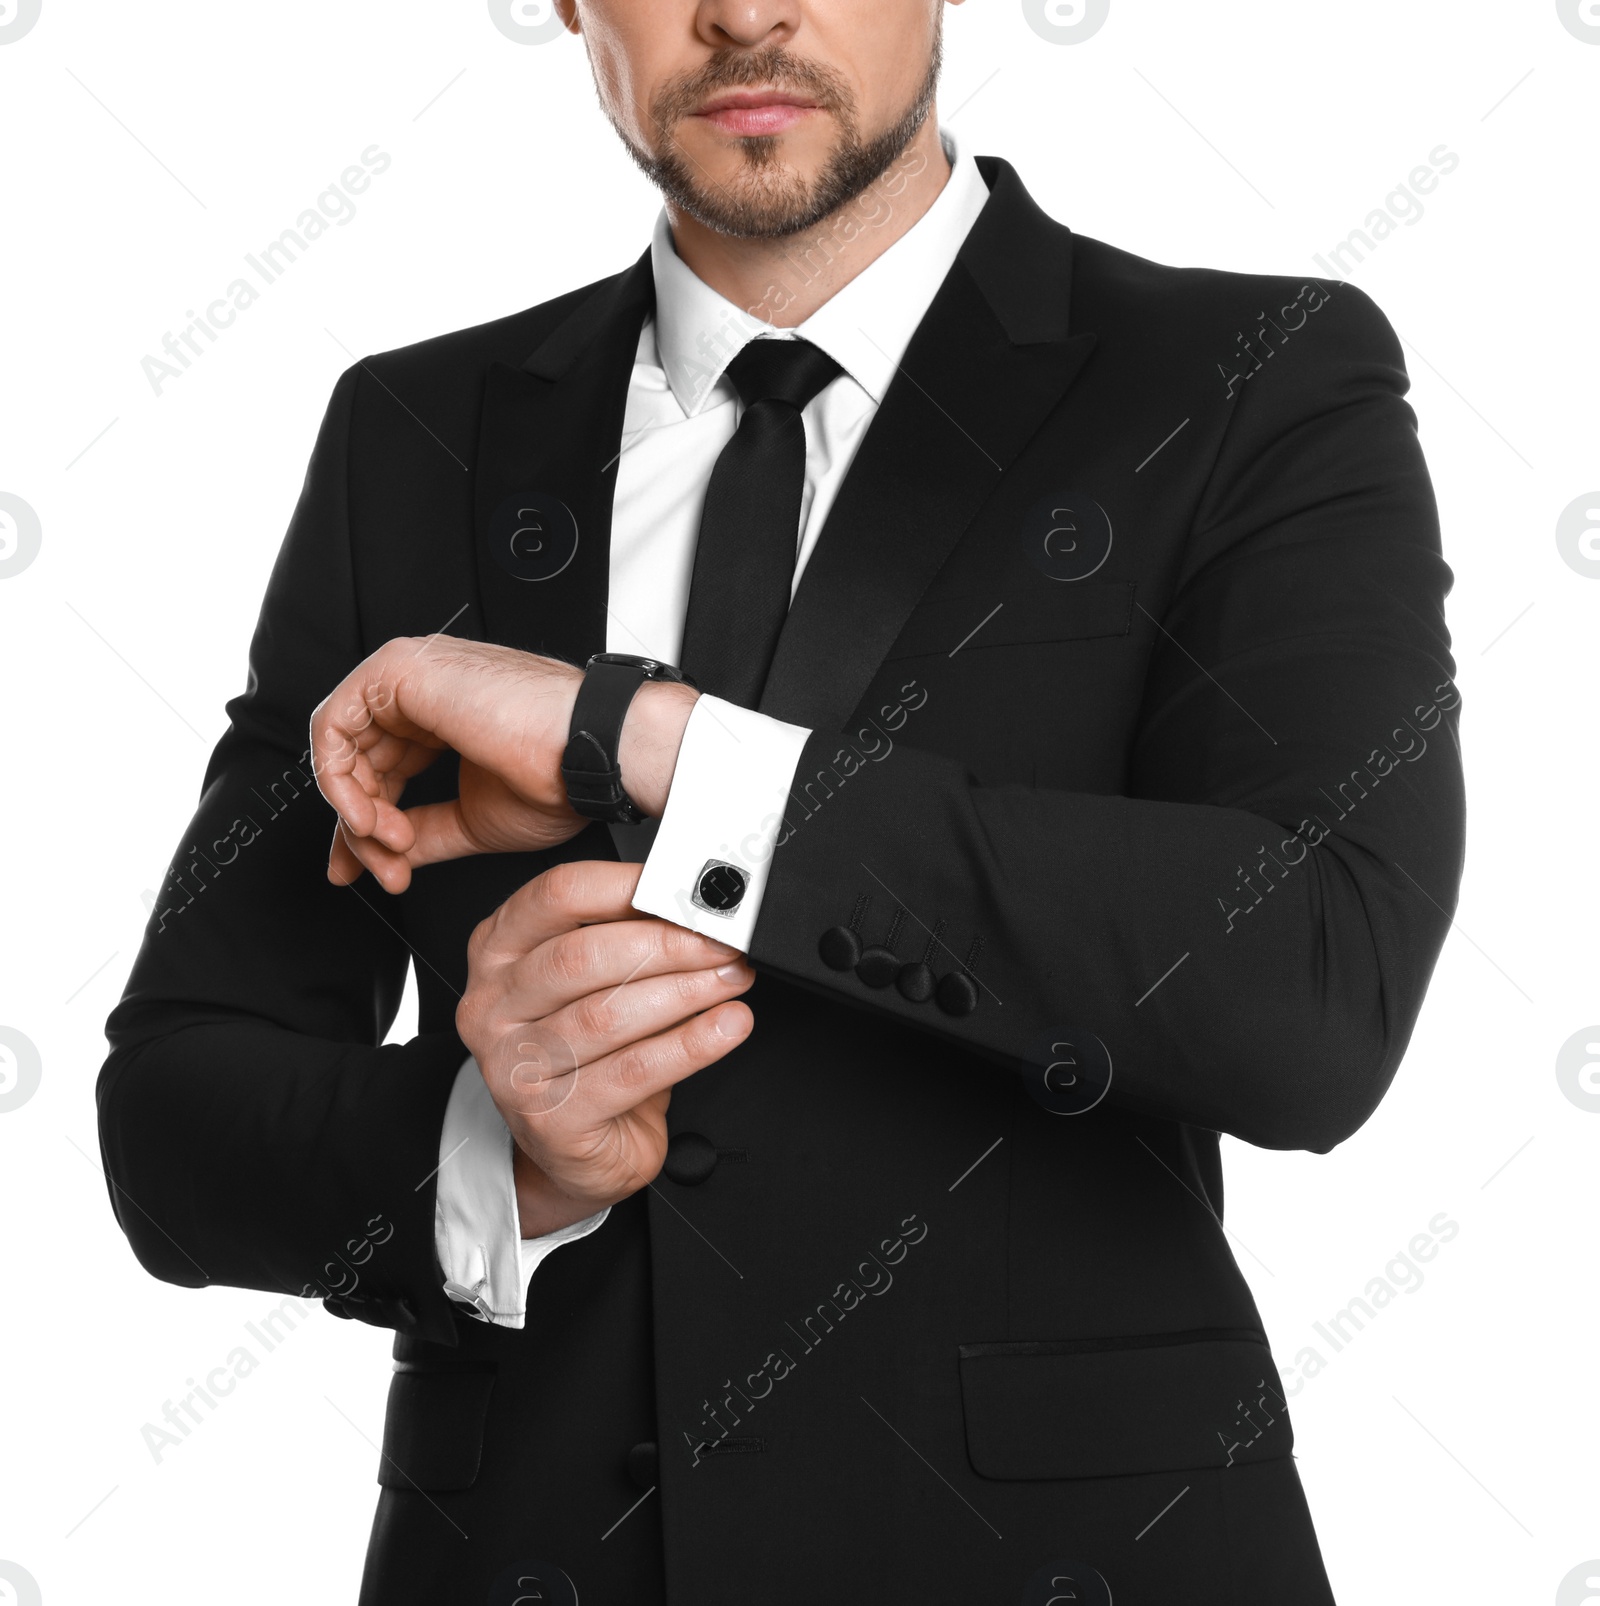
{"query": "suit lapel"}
[(988, 362), (548, 445)]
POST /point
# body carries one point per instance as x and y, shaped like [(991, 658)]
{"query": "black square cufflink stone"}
[(720, 887)]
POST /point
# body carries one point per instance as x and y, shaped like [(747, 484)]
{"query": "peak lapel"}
[(548, 445), (989, 361)]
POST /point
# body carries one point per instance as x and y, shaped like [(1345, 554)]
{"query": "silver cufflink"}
[(719, 888)]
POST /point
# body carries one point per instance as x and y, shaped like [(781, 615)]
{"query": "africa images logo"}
[(20, 535), (1066, 22), (1581, 18), (17, 17), (526, 22)]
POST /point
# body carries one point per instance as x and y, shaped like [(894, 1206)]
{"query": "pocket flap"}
[(1103, 1408), (1047, 612), (433, 1428)]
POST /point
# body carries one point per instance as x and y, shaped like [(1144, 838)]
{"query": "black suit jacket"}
[(1124, 651)]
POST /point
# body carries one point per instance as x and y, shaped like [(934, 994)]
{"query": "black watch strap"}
[(590, 765)]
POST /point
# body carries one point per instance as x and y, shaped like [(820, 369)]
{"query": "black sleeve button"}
[(877, 967), (839, 948), (916, 981), (958, 993)]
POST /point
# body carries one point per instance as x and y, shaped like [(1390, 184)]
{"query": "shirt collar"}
[(865, 327)]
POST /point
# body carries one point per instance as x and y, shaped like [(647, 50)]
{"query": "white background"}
[(1448, 1450)]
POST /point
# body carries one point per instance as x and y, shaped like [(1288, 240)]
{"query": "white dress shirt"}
[(735, 766)]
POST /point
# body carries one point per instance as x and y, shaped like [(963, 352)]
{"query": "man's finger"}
[(344, 868), (388, 868), (562, 899), (622, 1079), (359, 731), (439, 833), (610, 1019), (607, 954), (547, 1080)]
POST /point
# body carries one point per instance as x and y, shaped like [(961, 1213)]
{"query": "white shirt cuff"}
[(729, 791), (487, 1263)]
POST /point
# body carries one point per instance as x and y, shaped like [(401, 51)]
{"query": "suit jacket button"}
[(877, 967), (958, 993), (690, 1159), (839, 948), (644, 1463)]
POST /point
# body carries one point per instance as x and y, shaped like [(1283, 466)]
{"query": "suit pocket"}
[(1046, 612), (433, 1428), (1105, 1408)]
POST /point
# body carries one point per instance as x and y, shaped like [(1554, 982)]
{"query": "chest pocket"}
[(1031, 685), (1038, 613)]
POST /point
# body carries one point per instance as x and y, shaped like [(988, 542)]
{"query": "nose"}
[(747, 24)]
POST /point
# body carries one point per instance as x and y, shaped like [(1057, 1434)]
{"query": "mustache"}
[(771, 68)]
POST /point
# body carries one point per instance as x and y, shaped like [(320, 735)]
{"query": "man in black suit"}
[(1071, 748)]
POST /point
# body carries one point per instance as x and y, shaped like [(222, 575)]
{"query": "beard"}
[(766, 199)]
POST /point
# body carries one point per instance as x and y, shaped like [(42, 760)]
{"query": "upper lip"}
[(740, 99)]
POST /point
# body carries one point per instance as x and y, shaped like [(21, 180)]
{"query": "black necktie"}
[(750, 526)]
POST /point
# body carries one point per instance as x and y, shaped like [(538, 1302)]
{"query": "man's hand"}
[(582, 1016), (506, 713)]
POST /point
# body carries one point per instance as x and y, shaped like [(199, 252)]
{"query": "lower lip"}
[(756, 119)]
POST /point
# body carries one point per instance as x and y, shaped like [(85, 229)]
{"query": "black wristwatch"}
[(590, 764)]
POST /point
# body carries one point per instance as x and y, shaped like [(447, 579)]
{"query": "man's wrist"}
[(652, 734), (559, 682), (541, 1207)]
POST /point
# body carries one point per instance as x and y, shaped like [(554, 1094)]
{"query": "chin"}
[(750, 192)]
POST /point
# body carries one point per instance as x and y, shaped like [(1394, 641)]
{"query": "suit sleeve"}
[(253, 1130), (1250, 931)]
